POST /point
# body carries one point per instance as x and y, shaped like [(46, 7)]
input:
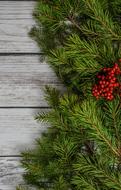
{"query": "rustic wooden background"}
[(22, 79)]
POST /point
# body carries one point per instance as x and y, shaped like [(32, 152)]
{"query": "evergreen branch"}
[(82, 184), (60, 183), (112, 114), (86, 67), (98, 14), (81, 48), (80, 37), (88, 117), (115, 127), (52, 96), (103, 137), (21, 188), (98, 172), (89, 29), (71, 19)]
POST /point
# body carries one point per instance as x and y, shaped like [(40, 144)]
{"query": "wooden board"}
[(7, 187), (22, 81), (18, 130), (10, 173), (15, 23)]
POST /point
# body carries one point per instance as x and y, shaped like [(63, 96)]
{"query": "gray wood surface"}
[(22, 81), (15, 23), (10, 173), (18, 130)]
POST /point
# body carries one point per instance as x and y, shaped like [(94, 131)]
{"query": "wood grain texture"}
[(10, 173), (7, 187), (18, 130), (22, 81), (15, 23)]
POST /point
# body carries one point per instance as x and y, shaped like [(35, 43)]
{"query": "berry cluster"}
[(107, 82)]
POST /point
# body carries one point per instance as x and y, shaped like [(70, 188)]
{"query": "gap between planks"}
[(20, 54), (19, 0), (22, 107), (11, 156)]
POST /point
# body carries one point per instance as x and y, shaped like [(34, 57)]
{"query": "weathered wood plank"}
[(15, 23), (18, 130), (10, 173), (22, 80), (7, 187)]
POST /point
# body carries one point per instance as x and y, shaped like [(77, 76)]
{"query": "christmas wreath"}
[(81, 150)]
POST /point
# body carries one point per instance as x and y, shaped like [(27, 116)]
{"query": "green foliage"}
[(80, 36), (81, 149)]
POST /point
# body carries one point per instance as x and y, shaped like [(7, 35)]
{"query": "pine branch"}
[(87, 115), (80, 47), (97, 13), (81, 148), (111, 111), (97, 174)]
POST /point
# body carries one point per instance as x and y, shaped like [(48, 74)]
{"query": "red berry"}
[(107, 82)]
